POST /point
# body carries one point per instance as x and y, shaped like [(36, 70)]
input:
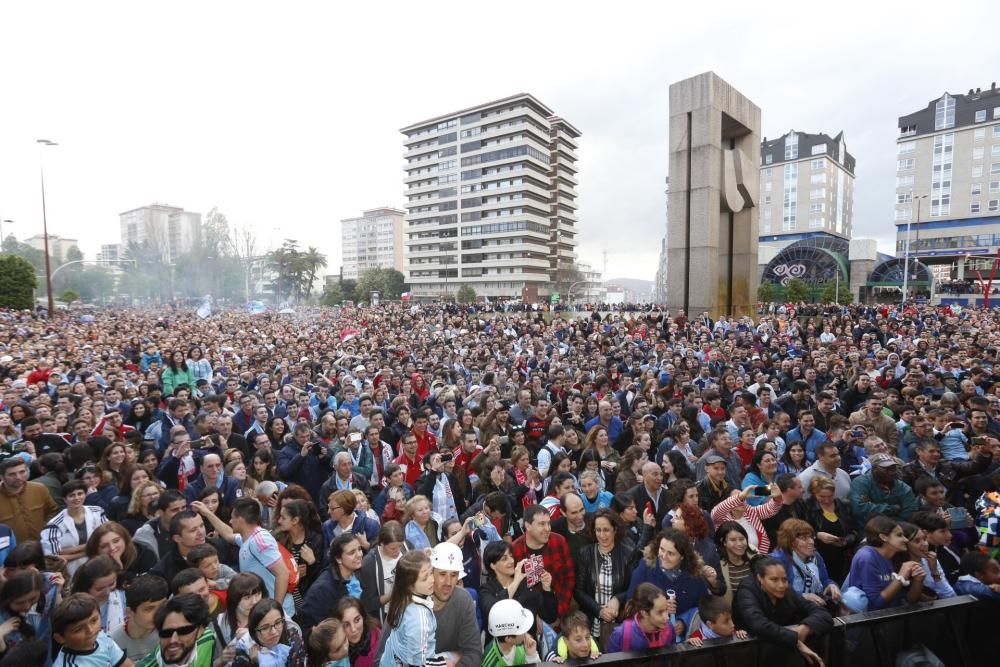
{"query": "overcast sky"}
[(286, 115)]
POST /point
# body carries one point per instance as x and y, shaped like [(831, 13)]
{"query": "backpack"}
[(293, 568)]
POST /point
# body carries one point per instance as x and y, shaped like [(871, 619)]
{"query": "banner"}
[(205, 309), (256, 307)]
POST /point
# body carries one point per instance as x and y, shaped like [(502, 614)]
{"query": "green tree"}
[(69, 296), (796, 291), (389, 283), (765, 293), (466, 294), (17, 280), (829, 293), (349, 290), (312, 261), (395, 284), (332, 295)]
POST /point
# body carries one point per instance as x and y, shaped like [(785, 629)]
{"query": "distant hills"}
[(640, 287)]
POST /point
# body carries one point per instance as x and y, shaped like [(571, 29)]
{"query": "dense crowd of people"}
[(464, 486)]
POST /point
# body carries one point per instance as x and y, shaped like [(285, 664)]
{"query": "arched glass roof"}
[(890, 272), (815, 261)]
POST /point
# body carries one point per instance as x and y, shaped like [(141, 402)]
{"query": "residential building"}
[(170, 230), (110, 252), (58, 245), (373, 241), (948, 185), (806, 188), (591, 290), (491, 200)]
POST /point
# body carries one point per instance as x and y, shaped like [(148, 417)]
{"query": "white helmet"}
[(447, 557), (508, 617)]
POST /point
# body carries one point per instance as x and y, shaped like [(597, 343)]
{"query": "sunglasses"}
[(183, 631)]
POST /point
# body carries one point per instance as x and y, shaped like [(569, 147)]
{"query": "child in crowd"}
[(206, 558), (648, 624), (575, 642), (99, 577), (20, 619), (411, 613), (28, 556), (328, 645), (191, 580), (137, 636), (272, 640), (940, 539), (76, 625), (716, 621), (510, 625), (980, 577)]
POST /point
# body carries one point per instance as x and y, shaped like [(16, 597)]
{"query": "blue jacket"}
[(795, 578), (816, 438), (362, 526), (309, 471), (322, 597), (230, 490), (689, 589)]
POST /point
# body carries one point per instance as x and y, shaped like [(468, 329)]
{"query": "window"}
[(903, 165), (994, 204), (996, 131), (996, 113), (994, 186), (767, 200), (977, 189), (981, 116), (817, 178), (906, 147), (904, 198), (819, 149), (767, 187), (979, 134), (995, 150), (903, 213), (792, 146), (817, 193), (977, 171), (817, 207), (974, 207), (978, 152), (768, 159), (816, 222), (816, 165), (944, 113), (995, 168), (767, 173), (904, 181)]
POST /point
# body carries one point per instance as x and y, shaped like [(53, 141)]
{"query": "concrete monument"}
[(714, 185)]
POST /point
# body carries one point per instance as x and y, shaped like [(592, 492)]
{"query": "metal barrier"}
[(960, 631)]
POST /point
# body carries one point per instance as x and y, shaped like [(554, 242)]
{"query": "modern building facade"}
[(948, 187), (373, 241), (170, 230), (806, 188), (591, 289), (58, 245), (491, 200)]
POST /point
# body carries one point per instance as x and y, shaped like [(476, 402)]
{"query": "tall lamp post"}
[(42, 143), (906, 255), (2, 223)]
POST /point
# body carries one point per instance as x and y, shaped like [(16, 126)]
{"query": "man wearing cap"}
[(713, 488), (880, 491), (457, 637), (720, 444)]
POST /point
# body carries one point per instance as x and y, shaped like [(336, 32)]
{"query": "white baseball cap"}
[(447, 557)]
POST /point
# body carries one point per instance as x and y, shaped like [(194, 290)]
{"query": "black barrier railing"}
[(959, 631)]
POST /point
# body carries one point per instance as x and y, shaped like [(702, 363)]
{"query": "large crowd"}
[(463, 486)]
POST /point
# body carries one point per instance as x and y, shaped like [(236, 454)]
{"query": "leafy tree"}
[(312, 261), (333, 295), (765, 293), (74, 255), (349, 290), (829, 293), (796, 291), (466, 294), (34, 256), (17, 280), (69, 296), (389, 283)]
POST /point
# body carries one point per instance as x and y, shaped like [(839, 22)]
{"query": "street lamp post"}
[(2, 223), (42, 143), (906, 254)]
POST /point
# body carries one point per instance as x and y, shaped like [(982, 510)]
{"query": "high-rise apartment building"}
[(806, 188), (58, 245), (491, 199), (948, 182), (373, 241), (170, 230)]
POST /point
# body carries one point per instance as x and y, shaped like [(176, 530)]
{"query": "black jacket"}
[(372, 580), (321, 598), (587, 565), (754, 612), (425, 487)]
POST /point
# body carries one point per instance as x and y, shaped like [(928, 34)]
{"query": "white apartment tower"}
[(806, 188), (491, 200), (373, 241), (948, 185), (170, 230)]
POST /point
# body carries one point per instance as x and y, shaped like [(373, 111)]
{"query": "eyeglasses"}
[(277, 625), (183, 631)]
